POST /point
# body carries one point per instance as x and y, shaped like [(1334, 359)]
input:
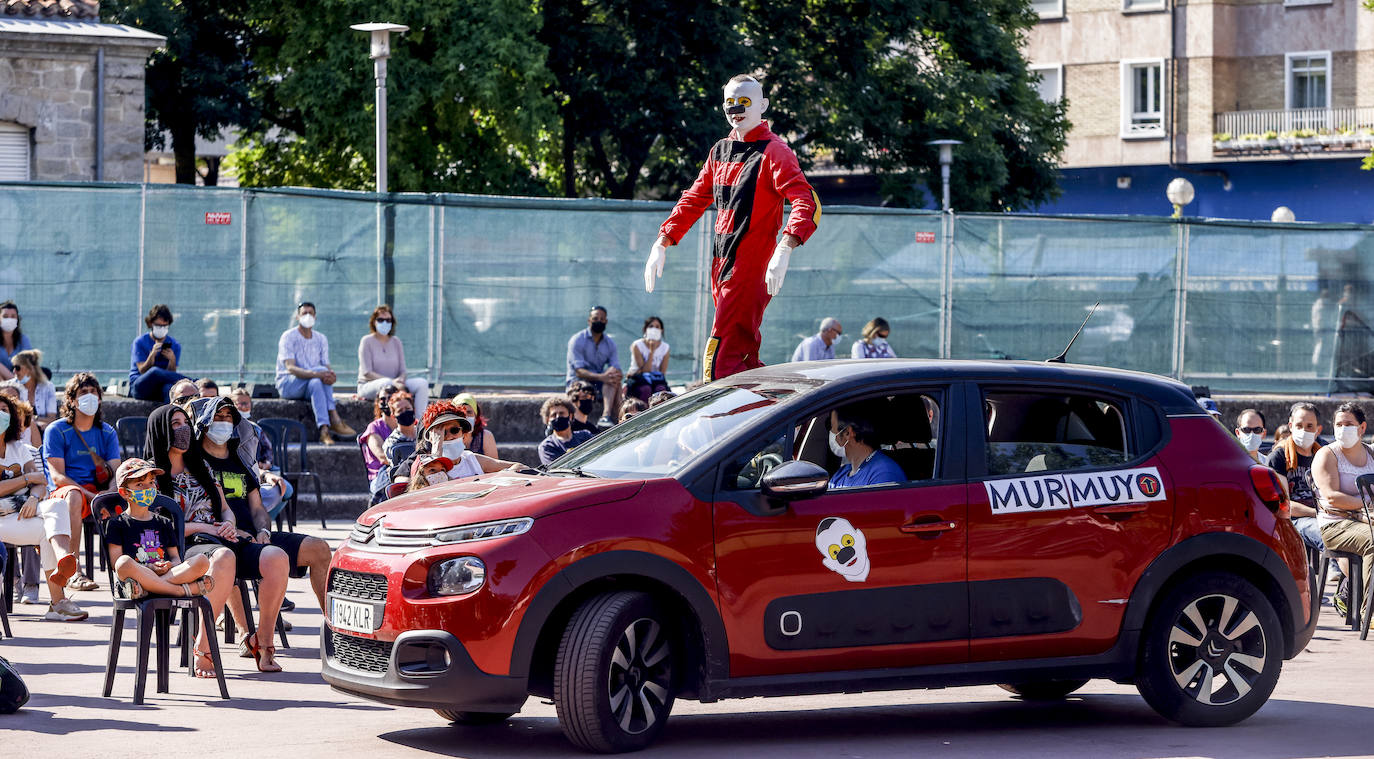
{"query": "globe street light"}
[(946, 159), (1180, 193), (1283, 215)]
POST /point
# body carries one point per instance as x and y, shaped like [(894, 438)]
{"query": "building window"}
[(14, 152), (1308, 83), (1048, 8), (1051, 84), (1142, 5), (1142, 85)]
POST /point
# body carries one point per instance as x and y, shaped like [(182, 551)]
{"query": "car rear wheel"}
[(474, 718), (1043, 690), (1212, 652), (613, 677)]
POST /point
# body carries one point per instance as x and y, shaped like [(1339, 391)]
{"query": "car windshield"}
[(662, 440)]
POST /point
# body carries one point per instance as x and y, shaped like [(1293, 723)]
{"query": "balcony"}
[(1294, 131)]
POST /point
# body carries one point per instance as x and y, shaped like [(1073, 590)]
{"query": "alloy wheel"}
[(1217, 649)]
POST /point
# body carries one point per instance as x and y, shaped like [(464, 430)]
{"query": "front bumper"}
[(424, 668)]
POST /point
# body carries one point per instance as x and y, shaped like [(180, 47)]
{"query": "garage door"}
[(14, 152)]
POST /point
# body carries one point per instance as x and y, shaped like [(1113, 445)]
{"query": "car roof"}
[(1173, 396)]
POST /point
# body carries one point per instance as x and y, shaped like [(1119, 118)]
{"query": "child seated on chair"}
[(143, 544), (428, 470)]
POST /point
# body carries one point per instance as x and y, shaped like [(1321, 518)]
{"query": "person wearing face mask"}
[(276, 490), (154, 357), (648, 362), (748, 176), (874, 342), (861, 463), (428, 470), (303, 373), (34, 386), (593, 358), (382, 361), (441, 434), (12, 339), (480, 440), (1250, 428), (82, 454), (820, 346), (390, 402), (557, 414), (582, 395), (1292, 458), (1341, 515)]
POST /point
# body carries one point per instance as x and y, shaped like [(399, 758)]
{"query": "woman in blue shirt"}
[(12, 339), (154, 358)]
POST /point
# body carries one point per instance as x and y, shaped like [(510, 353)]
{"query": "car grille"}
[(359, 585), (362, 654)]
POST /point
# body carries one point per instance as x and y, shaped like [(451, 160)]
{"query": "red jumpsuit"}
[(747, 180)]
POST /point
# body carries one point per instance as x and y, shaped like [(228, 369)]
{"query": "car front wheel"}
[(613, 678), (1212, 652)]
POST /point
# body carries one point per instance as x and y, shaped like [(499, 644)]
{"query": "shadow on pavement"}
[(40, 721), (275, 705), (1096, 725)]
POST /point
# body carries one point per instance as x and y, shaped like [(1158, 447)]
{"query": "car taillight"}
[(1269, 488)]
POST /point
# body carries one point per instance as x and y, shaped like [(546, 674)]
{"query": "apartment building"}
[(1259, 103)]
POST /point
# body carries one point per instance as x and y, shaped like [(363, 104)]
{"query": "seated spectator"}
[(861, 463), (12, 339), (663, 397), (209, 524), (428, 470), (630, 408), (143, 543), (558, 413), (229, 445), (1292, 458), (382, 361), (1282, 433), (592, 357), (207, 388), (82, 454), (154, 358), (1250, 432), (820, 346), (26, 519), (303, 373), (583, 397), (405, 431), (873, 344), (648, 362), (480, 440), (184, 391), (35, 387), (28, 433), (383, 422), (276, 490), (1340, 512), (441, 434)]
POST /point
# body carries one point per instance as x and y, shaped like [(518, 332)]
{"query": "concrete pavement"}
[(1323, 706)]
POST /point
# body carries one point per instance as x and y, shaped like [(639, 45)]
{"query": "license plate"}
[(347, 615)]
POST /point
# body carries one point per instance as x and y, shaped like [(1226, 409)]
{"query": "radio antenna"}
[(1060, 358)]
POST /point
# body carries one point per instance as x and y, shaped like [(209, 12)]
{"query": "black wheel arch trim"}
[(715, 647), (1210, 545)]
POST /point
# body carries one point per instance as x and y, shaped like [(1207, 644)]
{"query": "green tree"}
[(467, 110), (200, 82)]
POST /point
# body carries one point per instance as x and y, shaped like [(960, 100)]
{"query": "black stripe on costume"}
[(738, 198)]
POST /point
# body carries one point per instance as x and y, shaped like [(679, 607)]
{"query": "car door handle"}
[(1121, 509), (916, 528)]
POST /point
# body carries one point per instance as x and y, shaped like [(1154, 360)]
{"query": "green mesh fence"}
[(487, 291)]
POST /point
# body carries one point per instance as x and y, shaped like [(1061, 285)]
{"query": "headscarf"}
[(156, 446), (202, 412)]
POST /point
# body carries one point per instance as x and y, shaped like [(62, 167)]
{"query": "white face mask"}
[(653, 333), (1303, 438), (307, 321), (9, 324), (437, 478), (159, 331), (220, 432), (835, 446), (453, 449), (748, 94), (88, 404), (4, 420), (246, 414), (383, 327), (1251, 440), (1348, 435)]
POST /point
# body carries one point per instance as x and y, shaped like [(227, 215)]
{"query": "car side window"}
[(1052, 432), (746, 472)]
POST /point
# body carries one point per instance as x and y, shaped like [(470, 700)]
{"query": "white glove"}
[(653, 268), (777, 268)]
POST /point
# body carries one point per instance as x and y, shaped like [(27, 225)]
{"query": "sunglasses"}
[(1253, 430)]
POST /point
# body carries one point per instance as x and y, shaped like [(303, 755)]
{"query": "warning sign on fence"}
[(218, 217), (925, 237)]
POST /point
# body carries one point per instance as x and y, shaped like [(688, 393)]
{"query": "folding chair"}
[(154, 615), (7, 560), (284, 434), (1365, 485), (131, 430), (230, 629)]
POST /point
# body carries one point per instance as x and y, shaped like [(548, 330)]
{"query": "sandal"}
[(131, 589), (206, 672), (248, 647), (266, 657), (200, 587)]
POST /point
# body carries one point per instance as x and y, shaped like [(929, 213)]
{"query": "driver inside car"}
[(853, 439)]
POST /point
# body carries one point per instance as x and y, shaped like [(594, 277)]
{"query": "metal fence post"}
[(243, 284), (438, 365), (1180, 299), (947, 285), (142, 237)]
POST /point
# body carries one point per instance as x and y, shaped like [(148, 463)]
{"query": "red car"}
[(1036, 525)]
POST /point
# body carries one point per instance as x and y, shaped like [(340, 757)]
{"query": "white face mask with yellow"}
[(744, 106)]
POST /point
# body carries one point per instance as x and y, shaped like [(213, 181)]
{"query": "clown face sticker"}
[(843, 548)]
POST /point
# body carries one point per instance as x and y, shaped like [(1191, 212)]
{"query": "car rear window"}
[(1053, 432)]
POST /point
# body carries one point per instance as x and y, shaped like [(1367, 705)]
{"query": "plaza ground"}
[(1323, 706)]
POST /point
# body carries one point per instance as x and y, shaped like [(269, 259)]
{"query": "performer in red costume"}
[(747, 177)]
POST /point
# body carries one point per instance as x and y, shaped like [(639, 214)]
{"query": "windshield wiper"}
[(575, 471)]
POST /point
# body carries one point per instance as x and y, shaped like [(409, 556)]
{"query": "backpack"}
[(13, 693)]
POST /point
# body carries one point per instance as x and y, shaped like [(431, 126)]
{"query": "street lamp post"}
[(946, 160), (1180, 193), (381, 50)]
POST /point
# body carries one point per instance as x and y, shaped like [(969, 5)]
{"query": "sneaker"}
[(65, 610), (288, 605), (29, 595), (80, 581), (605, 423), (1341, 599)]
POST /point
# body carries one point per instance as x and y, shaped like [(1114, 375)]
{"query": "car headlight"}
[(483, 531), (455, 577)]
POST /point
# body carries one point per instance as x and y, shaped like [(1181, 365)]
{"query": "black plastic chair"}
[(131, 430), (285, 433), (154, 615), (231, 629), (7, 603)]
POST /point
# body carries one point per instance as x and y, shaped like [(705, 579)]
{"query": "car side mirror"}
[(795, 480)]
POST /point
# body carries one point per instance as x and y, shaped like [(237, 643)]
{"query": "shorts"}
[(249, 554), (86, 491)]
